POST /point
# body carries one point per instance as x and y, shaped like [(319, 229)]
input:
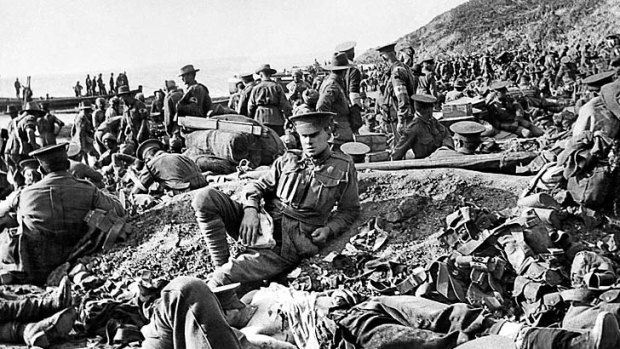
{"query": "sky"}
[(63, 36)]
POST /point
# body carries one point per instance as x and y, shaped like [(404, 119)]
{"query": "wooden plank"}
[(198, 123)]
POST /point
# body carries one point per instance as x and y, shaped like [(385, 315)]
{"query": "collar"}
[(319, 160)]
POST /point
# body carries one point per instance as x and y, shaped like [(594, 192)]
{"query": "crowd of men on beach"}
[(309, 194)]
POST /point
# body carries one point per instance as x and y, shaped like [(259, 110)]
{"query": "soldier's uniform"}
[(174, 172), (295, 90), (299, 193), (135, 121), (424, 134), (244, 98), (170, 109), (507, 114), (332, 98), (51, 215), (268, 105), (195, 102)]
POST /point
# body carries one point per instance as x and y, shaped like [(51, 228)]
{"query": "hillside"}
[(479, 25)]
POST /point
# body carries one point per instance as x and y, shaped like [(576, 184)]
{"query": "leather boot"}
[(604, 335), (33, 309), (215, 234), (43, 333)]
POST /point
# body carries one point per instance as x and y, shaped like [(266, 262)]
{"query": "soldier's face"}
[(315, 144)]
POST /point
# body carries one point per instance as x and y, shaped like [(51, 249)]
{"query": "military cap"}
[(85, 105), (310, 123), (298, 72), (124, 90), (266, 68), (147, 145), (73, 149), (33, 108), (345, 46), (339, 62), (565, 60), (29, 164), (51, 153), (386, 48), (188, 69), (600, 79), (499, 85), (423, 98), (467, 128), (356, 150)]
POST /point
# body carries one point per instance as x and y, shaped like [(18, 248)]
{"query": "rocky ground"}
[(404, 208)]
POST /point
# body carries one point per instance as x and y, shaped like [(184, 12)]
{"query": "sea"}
[(214, 73)]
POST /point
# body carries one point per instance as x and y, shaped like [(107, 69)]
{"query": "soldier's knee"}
[(187, 285), (204, 200)]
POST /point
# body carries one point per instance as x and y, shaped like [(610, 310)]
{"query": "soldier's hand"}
[(320, 235), (250, 226)]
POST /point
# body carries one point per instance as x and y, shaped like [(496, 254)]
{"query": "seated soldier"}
[(111, 147), (466, 140), (174, 172), (424, 134), (51, 218), (506, 114), (300, 191)]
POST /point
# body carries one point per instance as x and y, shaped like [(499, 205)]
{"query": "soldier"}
[(233, 100), (46, 126), (459, 87), (268, 103), (173, 95), (427, 83), (424, 134), (196, 100), (507, 114), (174, 172), (296, 88), (310, 98), (51, 216), (399, 87), (18, 87), (466, 140), (301, 189), (134, 123), (83, 132), (592, 87), (98, 119), (244, 97), (353, 76), (101, 85), (22, 139), (334, 99), (112, 90)]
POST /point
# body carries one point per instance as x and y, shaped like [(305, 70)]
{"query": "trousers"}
[(188, 315), (218, 216)]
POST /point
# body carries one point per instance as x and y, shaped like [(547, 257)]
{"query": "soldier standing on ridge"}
[(112, 90), (88, 83)]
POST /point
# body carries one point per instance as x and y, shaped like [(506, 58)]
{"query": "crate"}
[(456, 108), (378, 156), (376, 141)]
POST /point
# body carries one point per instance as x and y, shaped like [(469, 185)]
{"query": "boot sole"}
[(62, 325)]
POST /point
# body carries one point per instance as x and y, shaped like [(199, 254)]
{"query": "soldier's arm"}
[(254, 191), (146, 176), (107, 202), (252, 103), (207, 104), (355, 79), (348, 209), (402, 96), (240, 105)]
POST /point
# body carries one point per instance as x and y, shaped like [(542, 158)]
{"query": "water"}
[(214, 73)]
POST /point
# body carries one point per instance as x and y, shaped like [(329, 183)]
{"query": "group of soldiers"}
[(308, 196), (96, 86)]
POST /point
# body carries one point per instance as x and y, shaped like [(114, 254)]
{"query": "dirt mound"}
[(167, 241)]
